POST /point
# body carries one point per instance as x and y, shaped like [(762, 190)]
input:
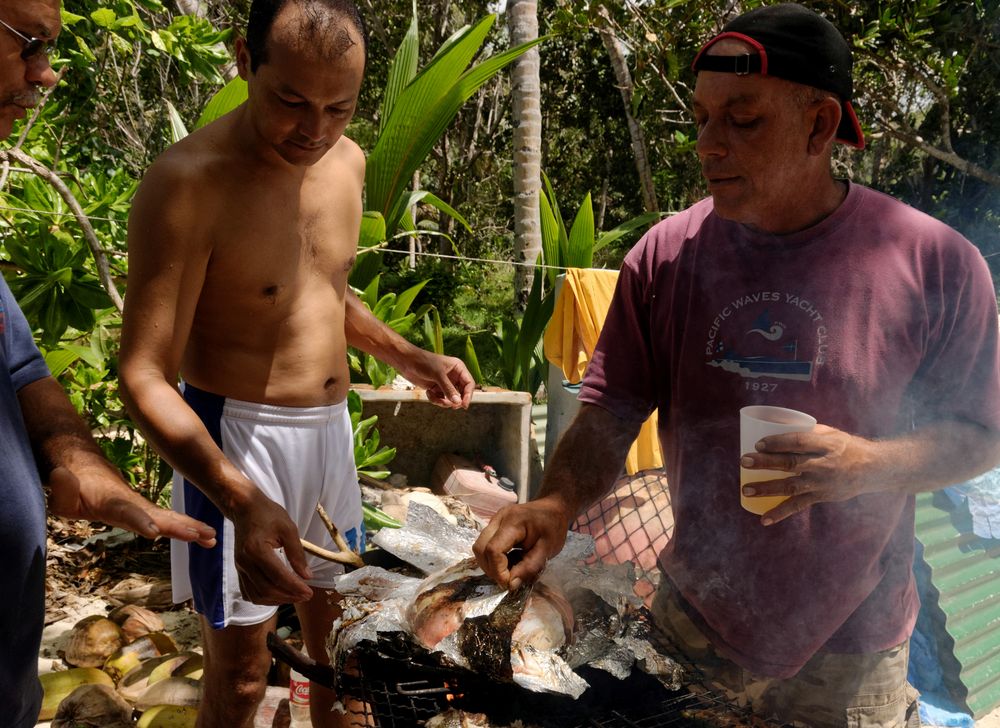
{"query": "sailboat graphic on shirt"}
[(762, 352)]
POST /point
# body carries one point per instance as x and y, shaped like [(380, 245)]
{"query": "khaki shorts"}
[(832, 689)]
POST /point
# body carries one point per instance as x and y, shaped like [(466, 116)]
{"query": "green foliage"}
[(421, 109), (417, 110), (576, 248), (56, 288), (375, 519), (225, 100), (121, 60), (394, 311), (370, 456), (519, 341)]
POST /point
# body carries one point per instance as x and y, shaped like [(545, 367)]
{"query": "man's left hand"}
[(114, 503), (831, 465)]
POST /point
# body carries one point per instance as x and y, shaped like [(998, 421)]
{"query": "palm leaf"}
[(580, 243), (550, 238), (177, 129), (421, 114), (647, 218), (225, 100), (405, 300), (472, 361), (434, 201), (404, 68), (59, 360)]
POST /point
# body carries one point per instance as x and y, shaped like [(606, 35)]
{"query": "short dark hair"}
[(263, 13)]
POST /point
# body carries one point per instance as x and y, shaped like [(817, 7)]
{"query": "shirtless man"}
[(241, 240)]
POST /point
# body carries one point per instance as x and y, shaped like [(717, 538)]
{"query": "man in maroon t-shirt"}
[(787, 287)]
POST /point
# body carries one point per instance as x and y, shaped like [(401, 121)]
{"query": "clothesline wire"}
[(399, 252), (55, 213), (417, 253), (466, 259)]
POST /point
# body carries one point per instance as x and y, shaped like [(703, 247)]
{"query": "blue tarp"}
[(925, 671)]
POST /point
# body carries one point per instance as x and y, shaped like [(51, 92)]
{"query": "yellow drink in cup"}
[(757, 422)]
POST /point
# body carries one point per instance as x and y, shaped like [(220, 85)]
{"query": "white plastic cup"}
[(759, 421), (298, 700)]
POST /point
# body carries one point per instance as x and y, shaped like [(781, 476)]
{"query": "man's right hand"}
[(538, 527), (261, 527)]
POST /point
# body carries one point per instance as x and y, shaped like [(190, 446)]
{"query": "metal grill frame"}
[(401, 692)]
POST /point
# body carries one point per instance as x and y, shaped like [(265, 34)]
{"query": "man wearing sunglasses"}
[(27, 29), (42, 439)]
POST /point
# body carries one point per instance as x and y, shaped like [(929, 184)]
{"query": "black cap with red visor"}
[(796, 44)]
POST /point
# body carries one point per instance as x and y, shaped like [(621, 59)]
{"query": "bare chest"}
[(279, 252)]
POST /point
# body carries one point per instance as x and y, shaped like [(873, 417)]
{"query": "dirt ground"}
[(91, 571)]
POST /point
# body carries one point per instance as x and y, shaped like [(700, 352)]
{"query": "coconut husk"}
[(137, 589), (97, 706), (92, 641), (136, 621)]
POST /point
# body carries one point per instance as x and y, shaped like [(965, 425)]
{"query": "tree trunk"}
[(624, 78), (522, 17)]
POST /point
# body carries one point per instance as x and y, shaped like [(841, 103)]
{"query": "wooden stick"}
[(344, 556), (334, 533)]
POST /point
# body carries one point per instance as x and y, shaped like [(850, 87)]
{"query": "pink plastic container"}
[(460, 477)]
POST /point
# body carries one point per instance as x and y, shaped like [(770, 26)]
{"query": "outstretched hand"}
[(539, 527), (111, 501)]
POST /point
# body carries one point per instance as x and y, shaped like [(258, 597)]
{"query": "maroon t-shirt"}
[(877, 320)]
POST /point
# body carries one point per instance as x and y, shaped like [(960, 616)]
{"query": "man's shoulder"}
[(681, 227), (193, 159), (904, 228), (347, 154), (892, 211)]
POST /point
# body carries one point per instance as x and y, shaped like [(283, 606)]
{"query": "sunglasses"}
[(32, 46)]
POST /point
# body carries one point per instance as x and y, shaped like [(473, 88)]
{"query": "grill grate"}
[(689, 709), (403, 692)]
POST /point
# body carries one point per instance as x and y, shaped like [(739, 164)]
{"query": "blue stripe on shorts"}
[(205, 565)]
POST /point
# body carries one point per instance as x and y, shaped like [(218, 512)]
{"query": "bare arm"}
[(836, 466), (168, 257), (82, 483), (446, 379), (587, 459)]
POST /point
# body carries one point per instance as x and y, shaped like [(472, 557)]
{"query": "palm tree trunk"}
[(624, 78), (522, 16)]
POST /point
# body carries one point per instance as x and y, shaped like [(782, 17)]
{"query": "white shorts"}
[(299, 457)]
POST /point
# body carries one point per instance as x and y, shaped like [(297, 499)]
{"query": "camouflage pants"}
[(832, 690)]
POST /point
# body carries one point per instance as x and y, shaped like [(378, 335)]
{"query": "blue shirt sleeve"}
[(19, 353)]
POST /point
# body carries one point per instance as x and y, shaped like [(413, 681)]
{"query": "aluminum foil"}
[(608, 636)]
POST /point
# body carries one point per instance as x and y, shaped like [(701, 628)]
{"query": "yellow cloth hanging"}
[(570, 339)]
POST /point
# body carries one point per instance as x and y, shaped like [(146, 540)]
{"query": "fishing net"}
[(632, 523)]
